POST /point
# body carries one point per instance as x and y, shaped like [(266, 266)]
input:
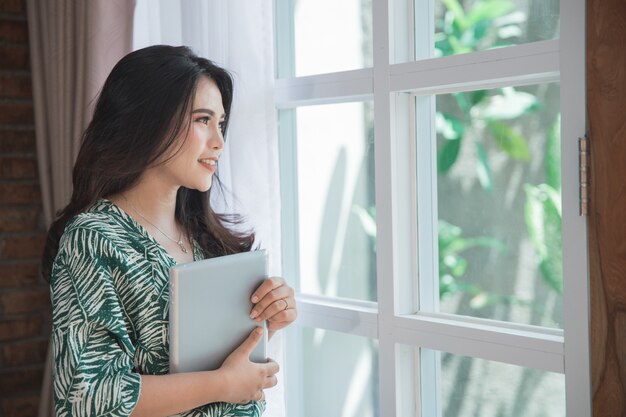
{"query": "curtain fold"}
[(73, 46)]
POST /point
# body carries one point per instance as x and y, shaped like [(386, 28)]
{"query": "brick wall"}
[(24, 298)]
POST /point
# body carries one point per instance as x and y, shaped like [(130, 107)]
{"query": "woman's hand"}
[(244, 381), (275, 302)]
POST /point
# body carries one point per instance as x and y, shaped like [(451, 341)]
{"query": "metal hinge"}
[(583, 164)]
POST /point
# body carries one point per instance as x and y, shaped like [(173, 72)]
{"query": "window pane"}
[(339, 374), (337, 230), (327, 36), (463, 26), (477, 387), (470, 384), (499, 204)]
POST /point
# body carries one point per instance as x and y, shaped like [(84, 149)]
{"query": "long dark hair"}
[(143, 106)]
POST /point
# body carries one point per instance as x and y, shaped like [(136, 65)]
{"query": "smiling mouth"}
[(208, 162)]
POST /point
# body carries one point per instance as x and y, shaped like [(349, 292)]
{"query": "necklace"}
[(179, 242)]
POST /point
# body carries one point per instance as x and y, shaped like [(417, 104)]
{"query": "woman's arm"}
[(165, 395), (237, 381)]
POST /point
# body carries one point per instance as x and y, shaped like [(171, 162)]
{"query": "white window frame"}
[(392, 319)]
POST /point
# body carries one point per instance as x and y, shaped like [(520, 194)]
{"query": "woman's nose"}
[(217, 138)]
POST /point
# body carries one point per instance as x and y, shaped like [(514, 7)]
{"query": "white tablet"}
[(210, 310)]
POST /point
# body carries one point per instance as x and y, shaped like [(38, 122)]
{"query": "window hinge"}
[(583, 163)]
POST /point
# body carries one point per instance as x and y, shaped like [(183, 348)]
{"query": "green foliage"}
[(452, 129), (483, 169), (460, 31), (452, 264), (509, 104), (490, 23), (448, 155), (543, 214), (480, 27), (477, 107), (553, 155), (367, 219), (509, 141), (543, 221)]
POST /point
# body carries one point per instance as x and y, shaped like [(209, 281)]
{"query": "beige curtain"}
[(73, 46)]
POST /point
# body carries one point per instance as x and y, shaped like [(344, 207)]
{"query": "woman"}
[(140, 205)]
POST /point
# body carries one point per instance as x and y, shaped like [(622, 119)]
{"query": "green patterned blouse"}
[(110, 316)]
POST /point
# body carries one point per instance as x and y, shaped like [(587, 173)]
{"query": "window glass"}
[(477, 387), (463, 26), (339, 374), (499, 204), (325, 36), (337, 229)]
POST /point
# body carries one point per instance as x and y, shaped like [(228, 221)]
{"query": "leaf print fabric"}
[(110, 317)]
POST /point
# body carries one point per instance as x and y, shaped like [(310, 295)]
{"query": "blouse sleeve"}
[(93, 354)]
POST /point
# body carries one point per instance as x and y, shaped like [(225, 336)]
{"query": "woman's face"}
[(194, 164)]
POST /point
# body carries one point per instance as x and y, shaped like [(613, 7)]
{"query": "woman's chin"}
[(204, 187)]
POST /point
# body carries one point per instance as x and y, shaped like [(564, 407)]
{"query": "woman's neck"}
[(150, 200), (153, 205)]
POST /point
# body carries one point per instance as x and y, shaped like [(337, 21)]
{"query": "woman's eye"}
[(203, 120), (222, 126)]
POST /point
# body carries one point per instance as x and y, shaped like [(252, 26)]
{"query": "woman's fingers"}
[(279, 298), (282, 320), (267, 286), (276, 310), (271, 381), (249, 378), (251, 341), (272, 367)]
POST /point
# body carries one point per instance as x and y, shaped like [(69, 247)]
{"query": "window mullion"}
[(385, 199), (428, 361), (514, 65), (428, 286), (324, 88), (359, 319), (287, 148)]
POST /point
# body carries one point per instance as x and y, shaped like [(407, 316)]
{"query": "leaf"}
[(483, 170), (510, 31), (446, 234), (517, 17), (367, 220), (553, 155), (477, 96), (447, 285), (448, 155), (480, 300), (451, 264), (488, 10), (543, 221), (509, 105), (454, 7), (509, 141), (462, 244), (458, 47), (459, 267), (462, 102), (449, 126), (480, 30)]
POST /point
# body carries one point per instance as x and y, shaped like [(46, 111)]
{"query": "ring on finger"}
[(261, 396)]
